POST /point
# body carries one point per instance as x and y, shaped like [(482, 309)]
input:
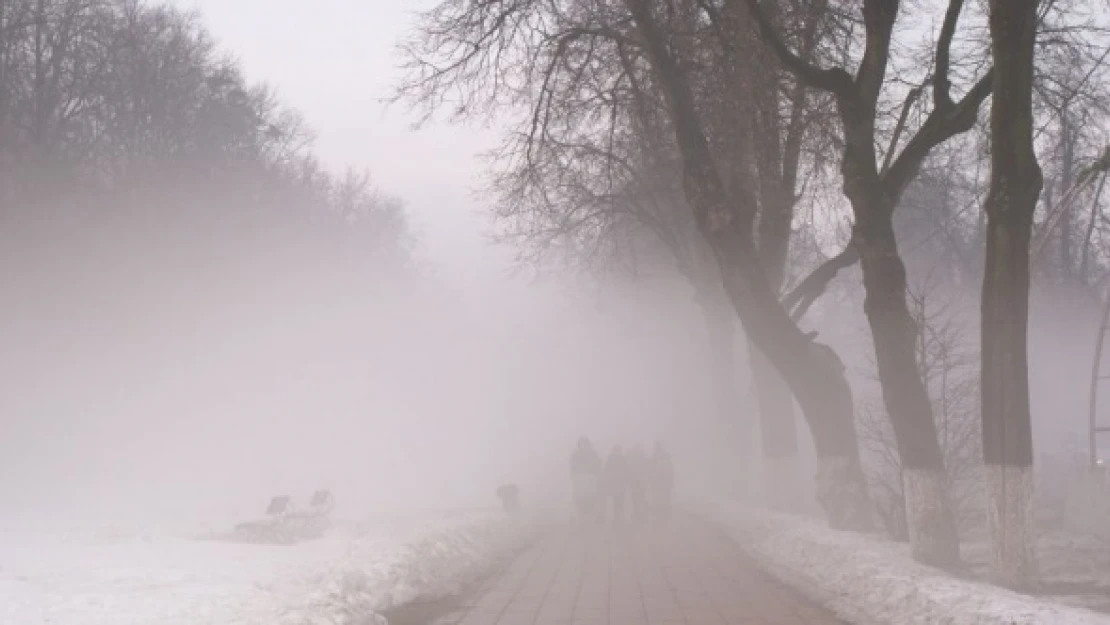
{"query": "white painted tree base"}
[(842, 494), (929, 517), (1010, 515)]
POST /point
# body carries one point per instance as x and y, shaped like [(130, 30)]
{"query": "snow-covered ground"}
[(169, 577), (868, 580), (1074, 568)]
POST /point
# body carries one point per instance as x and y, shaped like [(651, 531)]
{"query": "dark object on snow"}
[(509, 494), (278, 506), (287, 526), (586, 469)]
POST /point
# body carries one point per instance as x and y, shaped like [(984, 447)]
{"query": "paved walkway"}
[(683, 574)]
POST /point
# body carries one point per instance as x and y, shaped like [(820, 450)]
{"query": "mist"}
[(190, 374), (357, 312)]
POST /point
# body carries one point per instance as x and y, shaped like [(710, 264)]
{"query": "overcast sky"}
[(335, 61)]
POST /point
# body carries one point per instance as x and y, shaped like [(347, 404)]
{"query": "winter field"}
[(184, 576)]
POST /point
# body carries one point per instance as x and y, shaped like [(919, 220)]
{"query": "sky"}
[(335, 61)]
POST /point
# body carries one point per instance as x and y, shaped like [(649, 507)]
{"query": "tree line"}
[(738, 140), (119, 110)]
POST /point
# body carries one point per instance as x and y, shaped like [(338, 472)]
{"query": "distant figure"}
[(585, 473), (509, 494), (616, 482), (639, 476), (662, 481)]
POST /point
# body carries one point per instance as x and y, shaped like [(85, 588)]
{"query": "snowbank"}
[(435, 566), (341, 579), (869, 581)]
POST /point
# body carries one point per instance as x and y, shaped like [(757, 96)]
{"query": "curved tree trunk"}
[(777, 159), (1014, 188), (813, 372), (778, 435), (931, 523), (932, 532)]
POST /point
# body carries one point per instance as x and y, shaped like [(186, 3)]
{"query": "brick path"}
[(684, 574)]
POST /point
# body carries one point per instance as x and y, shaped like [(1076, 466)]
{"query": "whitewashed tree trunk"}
[(1014, 188), (928, 512), (1012, 523)]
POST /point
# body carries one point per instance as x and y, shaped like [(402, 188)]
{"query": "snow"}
[(867, 580), (171, 578)]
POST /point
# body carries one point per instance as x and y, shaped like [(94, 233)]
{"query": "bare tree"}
[(488, 56), (874, 188), (1014, 189)]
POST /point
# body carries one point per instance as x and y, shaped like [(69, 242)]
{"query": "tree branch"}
[(942, 85), (900, 126), (940, 126), (834, 80), (817, 282)]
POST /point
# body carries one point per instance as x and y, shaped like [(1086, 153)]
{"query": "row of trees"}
[(714, 133), (112, 110)]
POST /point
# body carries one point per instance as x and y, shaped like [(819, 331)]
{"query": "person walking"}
[(662, 481), (638, 477), (585, 472), (616, 483)]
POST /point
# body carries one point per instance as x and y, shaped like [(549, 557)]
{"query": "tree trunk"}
[(1014, 188), (726, 429), (932, 525), (781, 478), (777, 141), (813, 372)]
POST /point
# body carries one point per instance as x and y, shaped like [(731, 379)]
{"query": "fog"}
[(191, 375), (155, 376), (201, 310)]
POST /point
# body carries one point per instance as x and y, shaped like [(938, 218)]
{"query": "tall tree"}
[(1015, 185), (874, 187), (725, 216), (491, 55)]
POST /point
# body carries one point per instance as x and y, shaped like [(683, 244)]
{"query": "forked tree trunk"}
[(813, 372), (874, 192), (932, 526), (931, 523), (773, 147), (1014, 188)]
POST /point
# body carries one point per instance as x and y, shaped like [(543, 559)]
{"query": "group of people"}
[(630, 485)]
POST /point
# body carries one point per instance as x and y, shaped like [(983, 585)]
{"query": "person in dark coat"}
[(616, 483), (509, 494), (639, 474), (662, 481), (585, 472)]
